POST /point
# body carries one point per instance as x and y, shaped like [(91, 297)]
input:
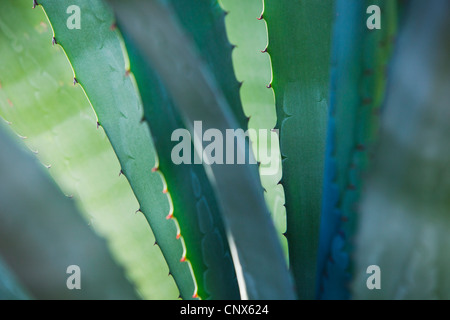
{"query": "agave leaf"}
[(39, 101), (195, 205), (42, 234), (299, 47), (256, 252), (404, 224), (194, 202), (205, 22), (96, 56), (253, 69), (359, 64)]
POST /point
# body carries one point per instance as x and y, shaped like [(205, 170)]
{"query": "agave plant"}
[(177, 86)]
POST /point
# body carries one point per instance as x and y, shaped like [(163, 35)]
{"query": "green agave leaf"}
[(205, 22), (42, 234), (194, 202), (257, 255), (253, 69), (404, 224), (299, 47), (39, 102), (96, 56), (359, 66)]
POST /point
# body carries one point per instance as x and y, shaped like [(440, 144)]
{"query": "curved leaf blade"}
[(96, 56), (253, 70), (299, 46), (257, 255), (39, 102), (195, 204)]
